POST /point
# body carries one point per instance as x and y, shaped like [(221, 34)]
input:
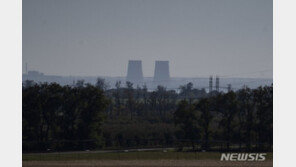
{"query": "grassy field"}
[(151, 155), (134, 159), (146, 163)]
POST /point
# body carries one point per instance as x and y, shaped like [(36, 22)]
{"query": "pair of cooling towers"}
[(135, 73)]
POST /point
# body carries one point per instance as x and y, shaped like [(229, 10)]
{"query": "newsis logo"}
[(243, 156)]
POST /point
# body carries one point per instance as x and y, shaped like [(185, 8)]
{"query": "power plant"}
[(134, 71), (161, 77), (161, 72)]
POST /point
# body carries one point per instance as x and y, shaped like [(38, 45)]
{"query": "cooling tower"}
[(134, 71), (161, 72)]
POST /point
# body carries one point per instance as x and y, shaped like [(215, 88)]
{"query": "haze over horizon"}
[(198, 37)]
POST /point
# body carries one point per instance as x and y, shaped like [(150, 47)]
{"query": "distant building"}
[(161, 72), (134, 71), (35, 73)]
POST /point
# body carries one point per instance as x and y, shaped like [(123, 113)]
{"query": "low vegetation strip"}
[(147, 163), (155, 155)]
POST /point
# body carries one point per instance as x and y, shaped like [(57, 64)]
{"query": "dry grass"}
[(147, 155), (146, 163)]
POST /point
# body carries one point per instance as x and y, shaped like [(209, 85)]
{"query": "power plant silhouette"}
[(134, 71), (161, 72), (161, 77)]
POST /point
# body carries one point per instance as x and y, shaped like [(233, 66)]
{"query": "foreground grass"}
[(146, 163), (147, 155)]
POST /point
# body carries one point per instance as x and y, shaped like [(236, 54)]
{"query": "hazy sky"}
[(198, 37)]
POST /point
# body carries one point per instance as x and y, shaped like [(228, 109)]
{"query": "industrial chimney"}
[(217, 83), (134, 71), (161, 72), (211, 84)]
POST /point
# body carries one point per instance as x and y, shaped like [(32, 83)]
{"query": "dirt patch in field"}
[(146, 163)]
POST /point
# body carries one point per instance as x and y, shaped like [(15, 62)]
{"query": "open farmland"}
[(133, 159), (146, 163)]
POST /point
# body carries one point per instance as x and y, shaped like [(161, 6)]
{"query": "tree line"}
[(85, 116)]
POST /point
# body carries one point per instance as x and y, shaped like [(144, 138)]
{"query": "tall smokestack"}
[(217, 83), (161, 72), (211, 84), (134, 71)]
